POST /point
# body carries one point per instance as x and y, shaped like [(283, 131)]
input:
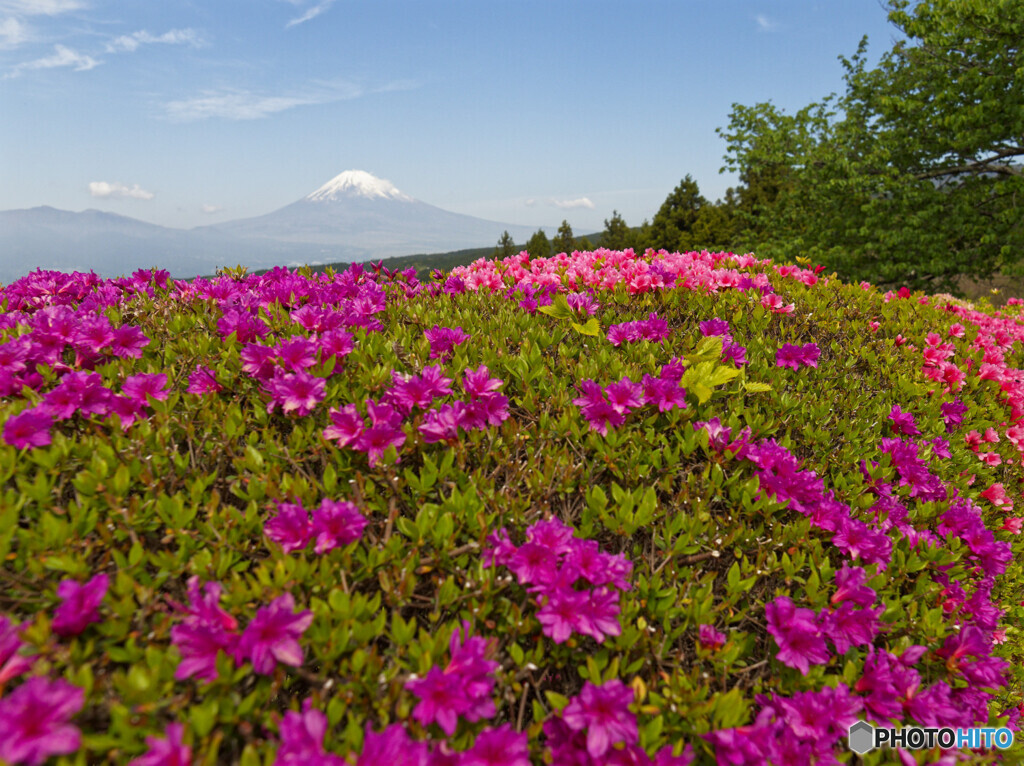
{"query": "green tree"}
[(506, 247), (539, 246), (564, 241), (672, 226), (616, 235), (585, 245), (910, 175)]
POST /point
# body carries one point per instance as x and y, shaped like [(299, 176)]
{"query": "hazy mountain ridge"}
[(353, 217)]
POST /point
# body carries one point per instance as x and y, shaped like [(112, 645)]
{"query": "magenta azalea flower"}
[(443, 339), (376, 439), (273, 636), (346, 425), (12, 662), (35, 721), (128, 341), (498, 747), (166, 751), (258, 361), (28, 429), (336, 523), (206, 630), (795, 357), (138, 387), (412, 391), (710, 637), (443, 423), (392, 746), (297, 353), (903, 422), (302, 739), (80, 605), (797, 633), (603, 713), (290, 528), (297, 392), (203, 381), (463, 688)]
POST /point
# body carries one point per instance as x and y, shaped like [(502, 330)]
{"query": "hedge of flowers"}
[(601, 508)]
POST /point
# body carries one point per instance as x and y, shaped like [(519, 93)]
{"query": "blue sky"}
[(190, 112)]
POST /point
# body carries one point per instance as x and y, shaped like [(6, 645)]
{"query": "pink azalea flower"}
[(80, 604), (1013, 525), (35, 721), (273, 636), (166, 751), (29, 428)]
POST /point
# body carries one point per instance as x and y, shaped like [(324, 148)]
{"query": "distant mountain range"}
[(353, 217)]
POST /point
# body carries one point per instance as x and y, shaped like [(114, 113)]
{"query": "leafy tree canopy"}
[(564, 241), (911, 175), (539, 245)]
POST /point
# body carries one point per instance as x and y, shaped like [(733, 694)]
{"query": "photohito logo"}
[(863, 737)]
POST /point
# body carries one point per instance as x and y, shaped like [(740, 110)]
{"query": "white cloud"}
[(211, 209), (245, 105), (118, 191), (129, 43), (764, 23), (39, 7), (530, 202), (570, 204), (311, 13), (62, 57), (13, 33)]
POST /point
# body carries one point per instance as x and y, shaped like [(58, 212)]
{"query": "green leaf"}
[(592, 327)]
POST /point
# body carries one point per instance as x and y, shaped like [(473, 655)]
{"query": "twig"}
[(522, 706)]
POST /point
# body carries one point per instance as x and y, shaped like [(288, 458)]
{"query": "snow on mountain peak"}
[(357, 183)]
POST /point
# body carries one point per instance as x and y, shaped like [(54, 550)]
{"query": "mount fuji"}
[(365, 216), (353, 217)]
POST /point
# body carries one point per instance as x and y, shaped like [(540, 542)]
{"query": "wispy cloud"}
[(764, 23), (130, 43), (115, 190), (311, 13), (246, 105), (39, 7), (62, 57), (570, 204), (13, 33), (211, 209)]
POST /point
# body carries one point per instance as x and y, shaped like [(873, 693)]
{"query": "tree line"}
[(910, 176)]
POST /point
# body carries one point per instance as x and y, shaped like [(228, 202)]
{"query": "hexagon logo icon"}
[(861, 737)]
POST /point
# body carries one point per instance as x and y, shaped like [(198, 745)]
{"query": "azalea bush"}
[(601, 508)]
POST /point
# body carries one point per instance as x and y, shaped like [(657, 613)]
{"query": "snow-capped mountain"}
[(357, 183), (355, 216), (356, 210)]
